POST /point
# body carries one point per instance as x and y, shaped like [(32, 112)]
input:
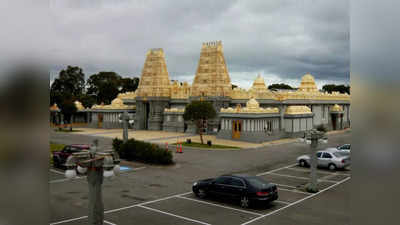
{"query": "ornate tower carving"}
[(154, 81), (212, 78), (308, 84)]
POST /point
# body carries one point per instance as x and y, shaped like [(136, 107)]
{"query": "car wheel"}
[(201, 193), (302, 163), (244, 202), (332, 166)]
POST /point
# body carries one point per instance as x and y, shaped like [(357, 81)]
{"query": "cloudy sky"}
[(282, 40)]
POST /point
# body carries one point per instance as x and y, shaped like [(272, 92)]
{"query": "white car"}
[(330, 158)]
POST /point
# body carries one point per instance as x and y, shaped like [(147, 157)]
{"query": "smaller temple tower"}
[(308, 84)]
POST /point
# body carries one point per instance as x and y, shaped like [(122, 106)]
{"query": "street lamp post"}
[(96, 165), (313, 137)]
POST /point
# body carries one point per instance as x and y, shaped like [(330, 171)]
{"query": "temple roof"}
[(297, 109), (308, 84), (252, 106)]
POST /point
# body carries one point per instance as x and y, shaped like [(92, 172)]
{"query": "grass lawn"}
[(213, 146)]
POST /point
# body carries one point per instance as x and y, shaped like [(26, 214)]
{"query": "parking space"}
[(186, 208)]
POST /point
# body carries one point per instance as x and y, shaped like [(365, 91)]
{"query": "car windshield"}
[(257, 182), (340, 154)]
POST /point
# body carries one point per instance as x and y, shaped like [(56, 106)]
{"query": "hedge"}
[(142, 151)]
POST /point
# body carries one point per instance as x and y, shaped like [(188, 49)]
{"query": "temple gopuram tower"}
[(153, 93), (212, 78), (212, 81)]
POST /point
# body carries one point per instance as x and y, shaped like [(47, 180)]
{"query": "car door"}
[(219, 187), (319, 157), (236, 187), (326, 159)]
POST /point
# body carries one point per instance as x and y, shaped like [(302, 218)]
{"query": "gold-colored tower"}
[(212, 78), (154, 81)]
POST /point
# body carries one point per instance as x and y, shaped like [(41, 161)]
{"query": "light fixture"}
[(108, 165), (82, 169), (117, 170)]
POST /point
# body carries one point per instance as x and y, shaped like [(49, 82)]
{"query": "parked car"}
[(248, 189), (344, 148), (60, 157), (331, 158)]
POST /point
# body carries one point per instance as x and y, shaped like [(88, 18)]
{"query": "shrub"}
[(142, 151), (116, 144), (322, 128)]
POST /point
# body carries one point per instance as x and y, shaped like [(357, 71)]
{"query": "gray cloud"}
[(279, 38)]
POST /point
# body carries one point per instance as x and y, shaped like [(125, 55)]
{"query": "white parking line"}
[(295, 191), (308, 170), (174, 215), (145, 203), (65, 179), (282, 202), (284, 185), (108, 222), (56, 171), (281, 168), (69, 220), (303, 178), (296, 202), (221, 206)]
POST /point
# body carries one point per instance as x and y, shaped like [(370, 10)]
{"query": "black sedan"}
[(247, 189)]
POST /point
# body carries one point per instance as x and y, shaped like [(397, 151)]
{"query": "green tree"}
[(104, 85), (337, 88), (198, 112), (71, 82), (129, 84), (87, 100), (280, 86)]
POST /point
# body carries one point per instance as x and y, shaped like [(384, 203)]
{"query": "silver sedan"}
[(332, 159)]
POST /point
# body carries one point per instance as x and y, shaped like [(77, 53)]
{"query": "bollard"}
[(166, 146), (177, 147)]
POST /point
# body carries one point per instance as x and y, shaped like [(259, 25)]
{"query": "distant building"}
[(256, 115)]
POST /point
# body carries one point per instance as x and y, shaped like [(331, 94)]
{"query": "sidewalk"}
[(162, 137)]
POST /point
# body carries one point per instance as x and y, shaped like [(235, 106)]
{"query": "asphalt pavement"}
[(149, 194)]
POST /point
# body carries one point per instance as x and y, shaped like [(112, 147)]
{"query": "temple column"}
[(282, 110)]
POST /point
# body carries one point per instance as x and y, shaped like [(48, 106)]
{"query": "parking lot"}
[(185, 208)]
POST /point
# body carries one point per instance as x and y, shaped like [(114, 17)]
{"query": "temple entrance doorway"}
[(334, 121), (236, 129), (146, 117)]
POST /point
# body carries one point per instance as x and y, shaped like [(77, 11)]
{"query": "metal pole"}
[(313, 175)]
